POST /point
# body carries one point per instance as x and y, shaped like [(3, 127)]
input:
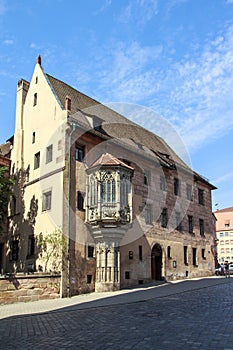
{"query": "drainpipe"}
[(69, 223)]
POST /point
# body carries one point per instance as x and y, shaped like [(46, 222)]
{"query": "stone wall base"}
[(106, 286), (23, 288)]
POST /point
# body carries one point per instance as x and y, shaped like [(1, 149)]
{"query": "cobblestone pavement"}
[(196, 319)]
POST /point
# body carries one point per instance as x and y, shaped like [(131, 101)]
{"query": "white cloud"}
[(139, 12), (129, 77), (8, 42)]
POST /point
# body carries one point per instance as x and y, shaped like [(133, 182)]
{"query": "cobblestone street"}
[(196, 319)]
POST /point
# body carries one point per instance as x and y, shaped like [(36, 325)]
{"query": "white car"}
[(219, 273)]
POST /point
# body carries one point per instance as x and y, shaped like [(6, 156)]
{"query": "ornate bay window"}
[(109, 191), (108, 210)]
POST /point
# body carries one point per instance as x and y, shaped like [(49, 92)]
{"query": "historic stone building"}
[(130, 210), (224, 233)]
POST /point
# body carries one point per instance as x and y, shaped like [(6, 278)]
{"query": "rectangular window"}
[(190, 223), (35, 99), (89, 279), (49, 154), (194, 256), (80, 200), (79, 153), (37, 160), (130, 255), (177, 187), (14, 250), (148, 213), (33, 137), (185, 255), (178, 221), (31, 246), (203, 254), (169, 252), (90, 251), (146, 177), (140, 252), (201, 227), (162, 183), (46, 200), (163, 218), (189, 192), (127, 275), (200, 196)]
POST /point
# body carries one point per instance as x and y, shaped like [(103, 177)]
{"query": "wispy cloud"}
[(129, 75), (195, 94), (3, 7), (139, 12)]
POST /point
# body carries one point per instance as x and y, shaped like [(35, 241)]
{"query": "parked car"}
[(219, 273)]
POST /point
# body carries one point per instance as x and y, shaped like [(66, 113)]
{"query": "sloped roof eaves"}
[(224, 210)]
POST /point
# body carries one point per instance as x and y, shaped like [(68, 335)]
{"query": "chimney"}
[(68, 103), (38, 60)]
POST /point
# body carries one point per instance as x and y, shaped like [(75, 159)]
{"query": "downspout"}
[(69, 216)]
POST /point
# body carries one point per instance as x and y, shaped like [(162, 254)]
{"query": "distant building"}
[(224, 232), (130, 209)]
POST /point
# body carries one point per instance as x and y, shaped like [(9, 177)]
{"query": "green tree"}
[(6, 183), (51, 247)]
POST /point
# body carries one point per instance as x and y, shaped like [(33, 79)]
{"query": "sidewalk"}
[(124, 296)]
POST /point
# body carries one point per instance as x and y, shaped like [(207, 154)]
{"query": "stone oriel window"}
[(108, 188)]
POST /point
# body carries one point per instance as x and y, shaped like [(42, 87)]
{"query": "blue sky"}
[(173, 56)]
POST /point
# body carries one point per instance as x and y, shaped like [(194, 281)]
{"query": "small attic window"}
[(35, 99), (33, 137), (36, 80)]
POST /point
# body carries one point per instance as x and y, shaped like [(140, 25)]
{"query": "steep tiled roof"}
[(78, 99), (97, 118), (108, 159)]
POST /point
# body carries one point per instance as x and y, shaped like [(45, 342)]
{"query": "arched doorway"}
[(156, 262)]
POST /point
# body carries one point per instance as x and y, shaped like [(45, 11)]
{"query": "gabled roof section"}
[(109, 160), (224, 210), (78, 99)]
